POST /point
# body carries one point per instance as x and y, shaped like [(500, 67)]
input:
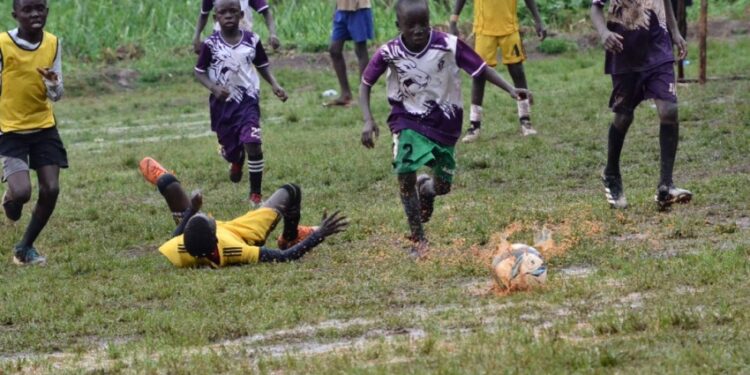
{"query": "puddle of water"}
[(577, 271)]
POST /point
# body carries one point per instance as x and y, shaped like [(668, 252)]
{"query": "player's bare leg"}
[(49, 189), (669, 130), (412, 208), (524, 106), (17, 193), (428, 189), (363, 58), (611, 177), (336, 50)]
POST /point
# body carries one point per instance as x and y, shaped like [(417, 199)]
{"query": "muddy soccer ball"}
[(520, 268)]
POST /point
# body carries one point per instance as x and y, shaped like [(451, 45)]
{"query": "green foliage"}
[(554, 46)]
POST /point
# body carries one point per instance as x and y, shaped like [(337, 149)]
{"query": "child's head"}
[(413, 21), (228, 14), (200, 235), (30, 14)]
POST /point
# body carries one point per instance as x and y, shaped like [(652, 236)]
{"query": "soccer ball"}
[(521, 268)]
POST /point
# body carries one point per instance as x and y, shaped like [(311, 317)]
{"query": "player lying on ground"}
[(199, 240), (424, 91)]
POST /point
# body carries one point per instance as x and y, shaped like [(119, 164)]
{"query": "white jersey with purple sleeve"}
[(247, 6), (233, 66), (424, 87)]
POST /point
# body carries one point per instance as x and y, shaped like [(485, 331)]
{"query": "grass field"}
[(628, 291)]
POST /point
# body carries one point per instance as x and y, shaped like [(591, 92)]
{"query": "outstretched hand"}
[(333, 224), (522, 94)]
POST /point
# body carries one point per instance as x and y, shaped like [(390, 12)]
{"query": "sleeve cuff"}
[(479, 70), (199, 70)]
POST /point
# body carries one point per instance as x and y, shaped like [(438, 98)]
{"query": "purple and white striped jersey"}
[(424, 87), (233, 66)]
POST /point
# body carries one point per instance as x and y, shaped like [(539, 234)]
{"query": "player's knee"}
[(164, 181), (668, 113), (336, 51), (623, 121), (49, 190), (295, 193), (442, 187), (21, 195)]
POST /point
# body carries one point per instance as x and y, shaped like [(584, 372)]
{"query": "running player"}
[(424, 91), (30, 79), (227, 67), (638, 39), (496, 26), (248, 6)]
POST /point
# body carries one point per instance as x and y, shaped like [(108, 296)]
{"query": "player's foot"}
[(426, 201), (613, 190), (235, 172), (471, 135), (151, 169), (255, 199), (27, 255), (302, 233), (526, 128), (12, 209), (667, 195), (419, 249), (339, 102)]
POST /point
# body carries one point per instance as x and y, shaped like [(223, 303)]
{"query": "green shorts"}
[(412, 151)]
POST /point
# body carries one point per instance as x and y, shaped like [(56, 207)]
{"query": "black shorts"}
[(36, 149)]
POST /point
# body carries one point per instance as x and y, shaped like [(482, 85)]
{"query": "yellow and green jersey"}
[(239, 241), (495, 17), (24, 102)]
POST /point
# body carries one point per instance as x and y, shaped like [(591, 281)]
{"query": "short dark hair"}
[(16, 2), (402, 3), (200, 236)]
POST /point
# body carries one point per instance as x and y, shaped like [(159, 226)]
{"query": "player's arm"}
[(612, 41), (457, 8), (206, 7), (265, 72), (201, 74), (273, 39), (375, 68), (370, 130), (493, 77), (677, 38), (329, 226), (52, 76), (263, 66), (541, 31)]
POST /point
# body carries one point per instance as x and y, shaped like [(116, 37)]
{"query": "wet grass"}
[(660, 292)]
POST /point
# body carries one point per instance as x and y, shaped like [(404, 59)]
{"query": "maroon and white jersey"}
[(424, 87)]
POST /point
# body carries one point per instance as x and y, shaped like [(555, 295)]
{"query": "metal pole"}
[(702, 33)]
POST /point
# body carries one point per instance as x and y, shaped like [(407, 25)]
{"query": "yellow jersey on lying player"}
[(239, 241)]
